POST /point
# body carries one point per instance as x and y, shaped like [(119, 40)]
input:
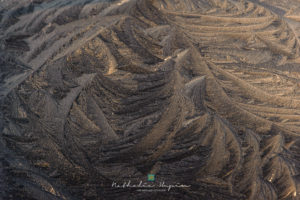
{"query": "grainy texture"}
[(200, 92)]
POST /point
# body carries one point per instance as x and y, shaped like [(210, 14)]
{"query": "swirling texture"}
[(205, 93)]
